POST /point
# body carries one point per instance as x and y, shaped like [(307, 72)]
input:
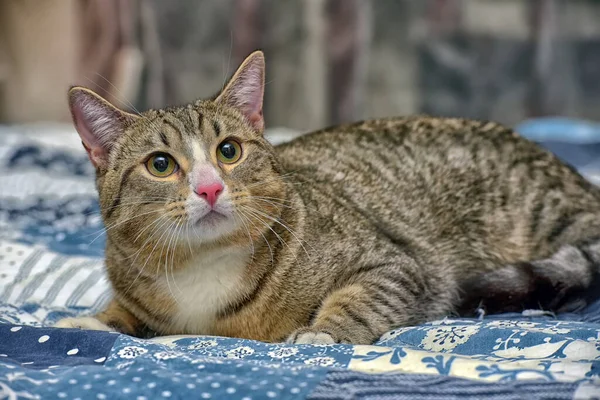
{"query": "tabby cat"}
[(336, 236)]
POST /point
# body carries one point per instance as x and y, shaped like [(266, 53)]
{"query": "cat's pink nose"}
[(210, 192)]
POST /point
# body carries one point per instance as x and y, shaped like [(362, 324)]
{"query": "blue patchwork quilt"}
[(51, 242)]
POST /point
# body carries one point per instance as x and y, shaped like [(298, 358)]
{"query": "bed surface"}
[(51, 245)]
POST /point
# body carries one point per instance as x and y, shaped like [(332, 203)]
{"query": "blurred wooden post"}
[(349, 31), (546, 96), (40, 50), (444, 16), (246, 31), (151, 46), (314, 65), (128, 61), (110, 60)]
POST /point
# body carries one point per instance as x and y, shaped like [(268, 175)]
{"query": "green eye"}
[(229, 152), (161, 165)]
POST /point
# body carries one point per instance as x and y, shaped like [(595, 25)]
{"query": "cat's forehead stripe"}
[(196, 118), (164, 139), (197, 151), (217, 128), (173, 125)]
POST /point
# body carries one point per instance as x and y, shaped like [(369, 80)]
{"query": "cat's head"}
[(201, 172)]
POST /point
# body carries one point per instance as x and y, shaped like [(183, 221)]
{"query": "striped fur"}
[(339, 235)]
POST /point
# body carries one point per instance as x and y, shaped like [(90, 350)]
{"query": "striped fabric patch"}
[(50, 280)]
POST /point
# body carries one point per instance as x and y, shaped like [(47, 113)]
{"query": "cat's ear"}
[(246, 89), (98, 123)]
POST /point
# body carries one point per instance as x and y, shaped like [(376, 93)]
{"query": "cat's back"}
[(404, 139), (396, 152), (435, 179)]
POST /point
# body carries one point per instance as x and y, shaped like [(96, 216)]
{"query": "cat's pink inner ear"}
[(98, 123), (246, 88)]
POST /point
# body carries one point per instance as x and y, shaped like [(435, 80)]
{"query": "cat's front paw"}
[(89, 323), (309, 336)]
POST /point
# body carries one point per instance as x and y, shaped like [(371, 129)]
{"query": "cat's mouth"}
[(209, 223), (210, 219)]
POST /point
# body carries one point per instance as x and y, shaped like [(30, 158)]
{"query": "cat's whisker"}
[(122, 97), (168, 266), (273, 198), (275, 206), (261, 234), (196, 232), (288, 229), (262, 184), (283, 242), (274, 178), (164, 220), (160, 240), (283, 204), (271, 202), (137, 203), (109, 227), (279, 238), (188, 240), (160, 266), (119, 223), (226, 70), (159, 223), (154, 247), (162, 249), (251, 196), (274, 220), (155, 222), (241, 217), (278, 177), (175, 237), (118, 95), (123, 205), (146, 227), (173, 241), (220, 105), (142, 200)]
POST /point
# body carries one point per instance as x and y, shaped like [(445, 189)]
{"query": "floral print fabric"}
[(40, 362)]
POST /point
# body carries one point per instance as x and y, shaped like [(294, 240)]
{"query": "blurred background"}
[(328, 61), (531, 64)]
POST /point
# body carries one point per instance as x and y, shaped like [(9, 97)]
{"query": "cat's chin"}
[(211, 219), (209, 227)]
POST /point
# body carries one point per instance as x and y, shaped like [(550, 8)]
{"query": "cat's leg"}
[(114, 318), (89, 323), (340, 319), (375, 302)]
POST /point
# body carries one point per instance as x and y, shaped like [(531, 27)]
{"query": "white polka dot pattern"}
[(229, 367), (154, 369)]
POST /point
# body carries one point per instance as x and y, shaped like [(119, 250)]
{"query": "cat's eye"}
[(229, 152), (161, 165)]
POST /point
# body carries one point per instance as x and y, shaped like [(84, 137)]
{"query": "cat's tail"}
[(565, 282)]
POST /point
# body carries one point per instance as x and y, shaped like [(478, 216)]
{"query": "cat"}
[(335, 237)]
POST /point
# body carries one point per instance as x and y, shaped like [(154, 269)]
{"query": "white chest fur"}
[(206, 284)]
